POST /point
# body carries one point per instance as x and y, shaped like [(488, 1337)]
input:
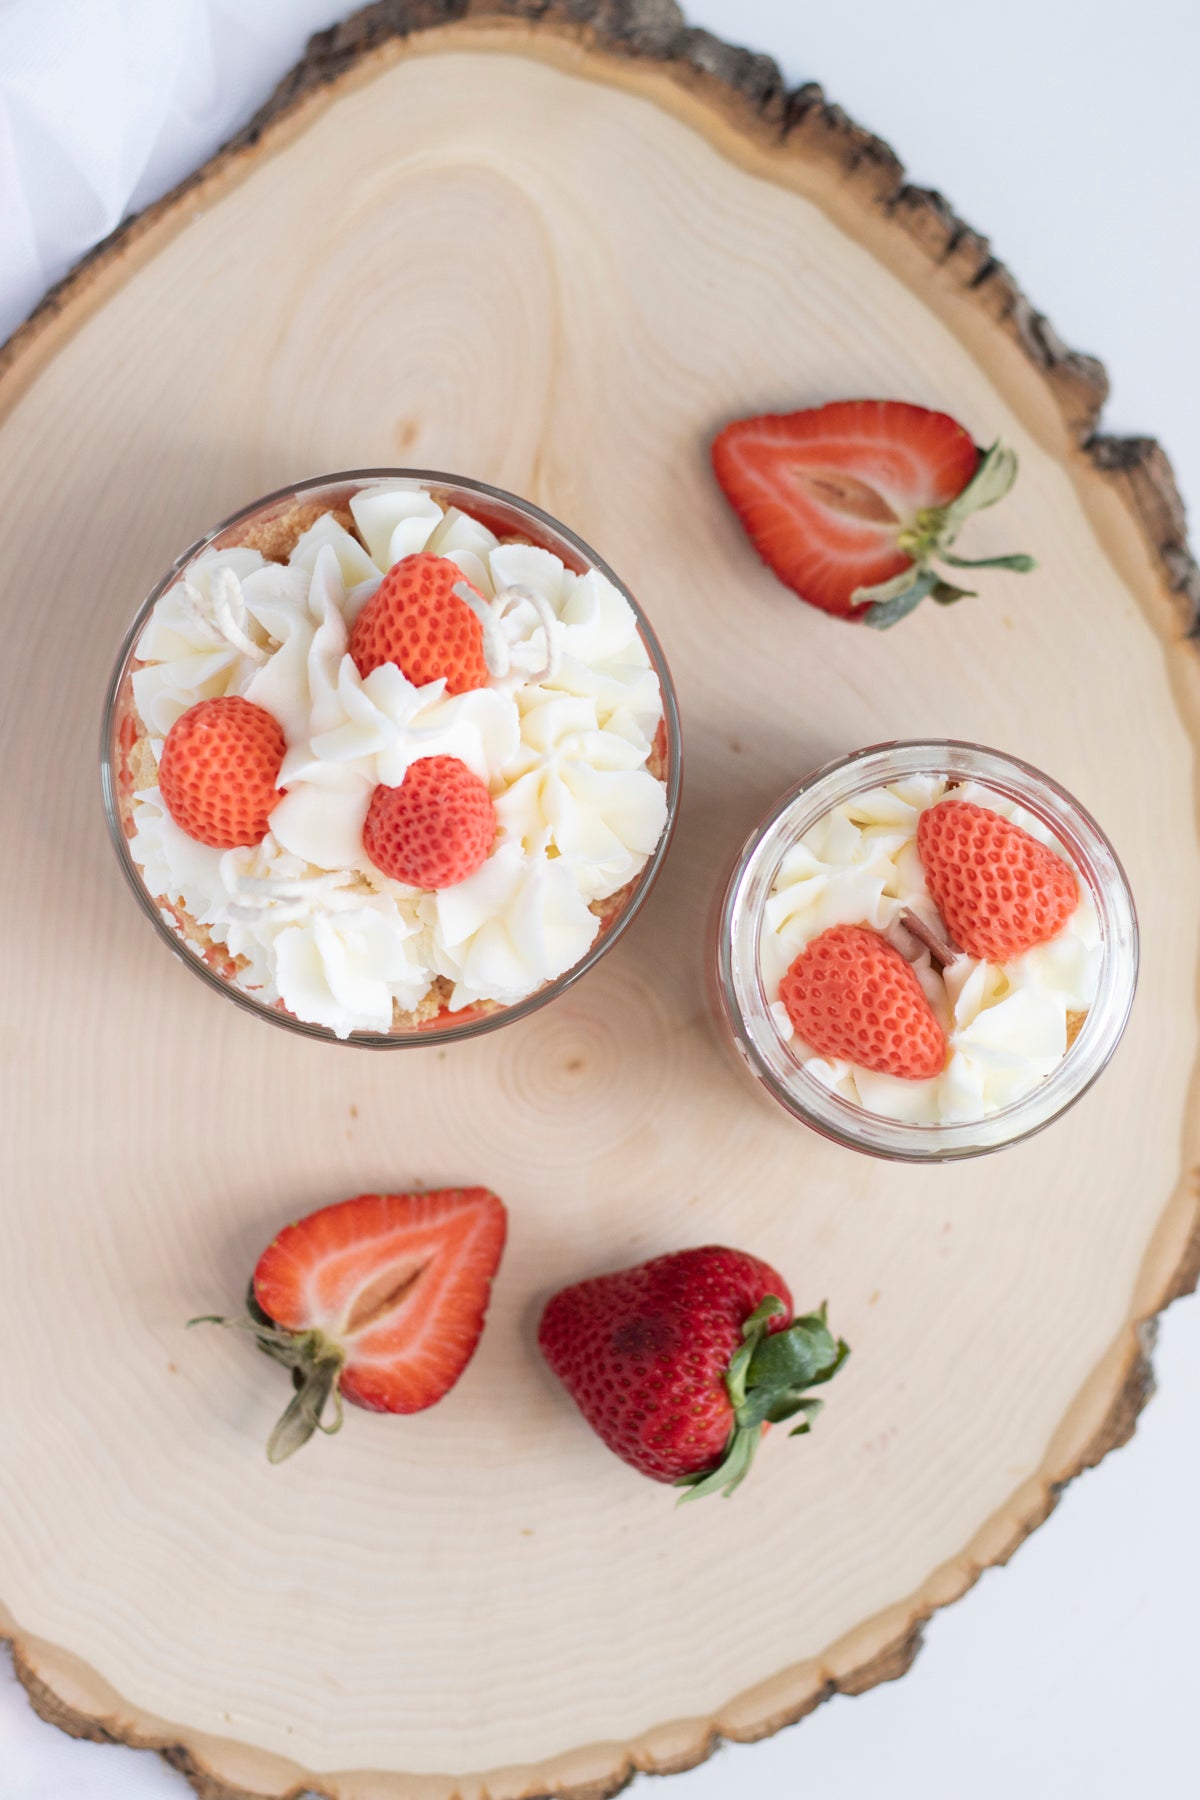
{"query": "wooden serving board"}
[(556, 255)]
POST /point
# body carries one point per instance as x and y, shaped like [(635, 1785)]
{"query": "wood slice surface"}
[(556, 254)]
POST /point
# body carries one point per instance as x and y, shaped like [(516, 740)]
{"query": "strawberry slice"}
[(850, 503), (853, 997), (435, 829), (378, 1300), (1000, 891), (218, 771), (416, 620)]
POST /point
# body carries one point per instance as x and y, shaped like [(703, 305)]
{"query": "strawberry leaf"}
[(315, 1362), (992, 480), (795, 1357), (728, 1474), (945, 593), (303, 1414), (788, 1405), (883, 591), (766, 1381), (884, 613), (1020, 562)]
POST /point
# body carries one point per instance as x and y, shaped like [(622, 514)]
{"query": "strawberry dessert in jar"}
[(391, 757), (926, 951)]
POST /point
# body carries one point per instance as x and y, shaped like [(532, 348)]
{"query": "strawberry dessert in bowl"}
[(390, 757), (927, 951)]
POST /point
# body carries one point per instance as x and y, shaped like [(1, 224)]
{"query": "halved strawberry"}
[(852, 996), (1000, 891), (379, 1300), (218, 771), (849, 503), (433, 830), (415, 620)]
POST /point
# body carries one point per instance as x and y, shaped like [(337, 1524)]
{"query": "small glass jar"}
[(744, 1006), (270, 525)]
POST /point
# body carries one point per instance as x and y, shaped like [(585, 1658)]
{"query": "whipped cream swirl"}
[(562, 735), (1006, 1025)]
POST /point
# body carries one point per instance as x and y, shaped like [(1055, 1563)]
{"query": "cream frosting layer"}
[(1006, 1025), (562, 735)]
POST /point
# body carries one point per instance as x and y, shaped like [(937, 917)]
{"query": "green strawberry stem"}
[(316, 1366), (766, 1380), (929, 539)]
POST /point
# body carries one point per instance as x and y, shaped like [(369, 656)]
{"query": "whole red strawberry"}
[(850, 503), (433, 830), (679, 1364), (415, 620), (1000, 891), (378, 1300), (850, 995), (218, 771)]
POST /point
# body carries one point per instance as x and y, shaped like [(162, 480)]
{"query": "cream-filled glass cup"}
[(845, 991), (390, 757)]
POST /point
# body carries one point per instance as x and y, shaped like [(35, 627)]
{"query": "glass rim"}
[(776, 1067), (434, 1034)]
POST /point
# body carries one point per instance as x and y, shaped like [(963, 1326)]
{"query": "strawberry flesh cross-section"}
[(850, 503), (379, 1300)]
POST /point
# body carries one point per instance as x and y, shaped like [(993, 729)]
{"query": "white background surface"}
[(1068, 134)]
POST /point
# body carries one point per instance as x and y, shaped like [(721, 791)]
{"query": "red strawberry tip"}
[(930, 537), (767, 1381), (316, 1364)]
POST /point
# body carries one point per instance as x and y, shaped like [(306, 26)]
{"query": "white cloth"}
[(174, 78)]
